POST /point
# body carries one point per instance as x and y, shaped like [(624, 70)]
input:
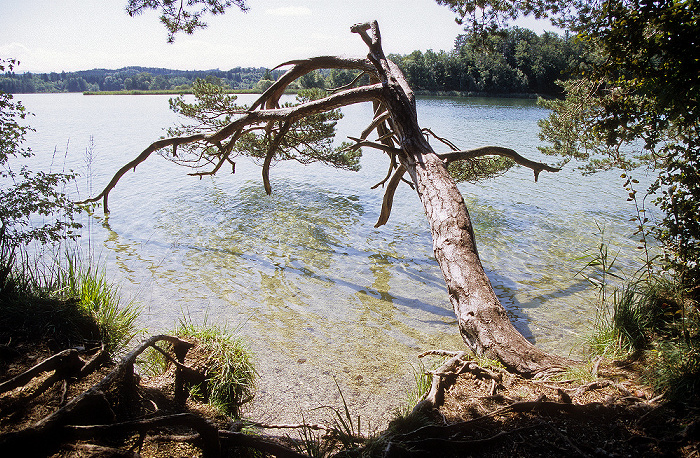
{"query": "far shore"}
[(168, 92), (294, 91)]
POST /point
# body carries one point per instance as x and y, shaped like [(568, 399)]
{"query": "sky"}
[(72, 35)]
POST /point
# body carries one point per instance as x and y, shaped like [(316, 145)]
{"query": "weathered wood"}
[(67, 361), (208, 433), (91, 406)]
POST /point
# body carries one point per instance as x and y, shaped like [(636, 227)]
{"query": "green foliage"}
[(579, 374), (678, 192), (422, 383), (100, 299), (230, 371), (599, 267), (485, 17), (133, 79), (653, 318), (478, 169), (513, 61), (64, 303), (181, 16), (309, 139), (635, 102), (33, 206), (675, 369)]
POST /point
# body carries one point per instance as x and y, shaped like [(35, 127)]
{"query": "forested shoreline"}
[(515, 62)]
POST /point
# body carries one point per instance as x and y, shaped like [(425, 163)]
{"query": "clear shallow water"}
[(303, 275)]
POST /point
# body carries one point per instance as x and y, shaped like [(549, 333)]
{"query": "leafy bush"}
[(27, 196)]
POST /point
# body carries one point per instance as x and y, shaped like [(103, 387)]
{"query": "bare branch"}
[(388, 149), (373, 41), (341, 99), (451, 145), (536, 167), (271, 152), (155, 146), (389, 196), (270, 98), (378, 119), (392, 166), (237, 127), (222, 159), (349, 85)]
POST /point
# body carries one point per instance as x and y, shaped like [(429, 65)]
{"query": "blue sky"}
[(71, 35)]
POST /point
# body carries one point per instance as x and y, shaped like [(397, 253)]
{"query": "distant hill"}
[(129, 79)]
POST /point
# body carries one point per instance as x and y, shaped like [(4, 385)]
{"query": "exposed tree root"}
[(112, 409), (66, 362), (444, 376), (614, 416)]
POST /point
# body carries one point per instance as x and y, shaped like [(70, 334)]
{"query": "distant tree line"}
[(514, 61), (129, 78)]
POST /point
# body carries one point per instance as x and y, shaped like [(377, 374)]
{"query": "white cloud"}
[(289, 11)]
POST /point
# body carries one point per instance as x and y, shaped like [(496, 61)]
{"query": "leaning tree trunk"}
[(483, 322)]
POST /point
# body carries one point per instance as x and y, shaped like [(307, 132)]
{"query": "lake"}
[(303, 276)]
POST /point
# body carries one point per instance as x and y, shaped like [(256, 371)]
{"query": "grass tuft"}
[(100, 299), (422, 382), (654, 320), (231, 373), (66, 303)]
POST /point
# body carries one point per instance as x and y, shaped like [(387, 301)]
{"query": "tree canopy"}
[(183, 16), (635, 104)]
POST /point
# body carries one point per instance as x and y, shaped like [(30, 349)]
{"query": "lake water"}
[(314, 289)]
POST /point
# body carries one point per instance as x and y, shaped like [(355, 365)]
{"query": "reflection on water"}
[(304, 275)]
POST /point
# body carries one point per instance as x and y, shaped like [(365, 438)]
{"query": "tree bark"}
[(483, 322)]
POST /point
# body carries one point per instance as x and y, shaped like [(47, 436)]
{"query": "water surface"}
[(317, 292)]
